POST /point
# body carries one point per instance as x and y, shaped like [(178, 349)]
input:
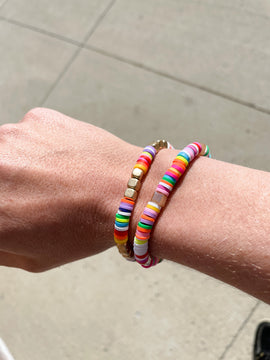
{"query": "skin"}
[(61, 181)]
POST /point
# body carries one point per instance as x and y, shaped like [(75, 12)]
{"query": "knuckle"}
[(43, 115), (35, 114), (9, 130)]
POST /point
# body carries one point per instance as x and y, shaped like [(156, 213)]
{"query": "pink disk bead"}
[(199, 145), (145, 221), (193, 149), (167, 186), (174, 176), (144, 260), (181, 170), (148, 265), (190, 153), (162, 191), (143, 235), (153, 214)]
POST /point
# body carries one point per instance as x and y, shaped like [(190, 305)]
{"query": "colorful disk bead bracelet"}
[(123, 215), (158, 201)]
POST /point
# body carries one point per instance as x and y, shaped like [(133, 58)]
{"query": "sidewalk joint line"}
[(239, 331), (4, 3), (179, 80), (98, 21), (42, 31), (83, 45), (78, 50)]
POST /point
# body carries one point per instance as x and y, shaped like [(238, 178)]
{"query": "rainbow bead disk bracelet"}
[(123, 215), (158, 201)]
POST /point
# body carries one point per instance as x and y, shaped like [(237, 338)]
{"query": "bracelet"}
[(158, 201), (127, 203)]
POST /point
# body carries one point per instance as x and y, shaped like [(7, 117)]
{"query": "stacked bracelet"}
[(127, 203), (158, 201)]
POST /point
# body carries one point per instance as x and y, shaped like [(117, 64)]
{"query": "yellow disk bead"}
[(179, 157)]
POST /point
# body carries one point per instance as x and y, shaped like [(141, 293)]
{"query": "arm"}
[(218, 222), (61, 181)]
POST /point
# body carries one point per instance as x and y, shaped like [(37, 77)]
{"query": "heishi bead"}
[(144, 255), (140, 242), (172, 174), (134, 184), (122, 218), (160, 186), (180, 163), (159, 198), (169, 179), (124, 213), (162, 191), (190, 153), (120, 242), (166, 185), (127, 202), (178, 168), (175, 171), (148, 218), (121, 225), (199, 145), (146, 222), (153, 206), (150, 212), (194, 148), (184, 155), (120, 228), (181, 158), (121, 237), (142, 235), (142, 167), (145, 158), (150, 149), (148, 155), (141, 249), (143, 161)]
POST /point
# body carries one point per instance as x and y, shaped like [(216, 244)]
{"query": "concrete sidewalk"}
[(181, 70)]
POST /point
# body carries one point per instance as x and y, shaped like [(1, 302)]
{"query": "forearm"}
[(60, 194), (217, 220)]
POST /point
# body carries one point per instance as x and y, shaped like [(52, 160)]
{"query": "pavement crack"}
[(242, 326)]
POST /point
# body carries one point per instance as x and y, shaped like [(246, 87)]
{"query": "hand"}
[(60, 184)]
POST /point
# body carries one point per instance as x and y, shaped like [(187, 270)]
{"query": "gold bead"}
[(156, 145), (160, 144), (137, 173), (134, 184), (131, 194), (122, 249), (125, 250)]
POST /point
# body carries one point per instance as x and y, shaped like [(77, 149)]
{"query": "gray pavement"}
[(182, 70)]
